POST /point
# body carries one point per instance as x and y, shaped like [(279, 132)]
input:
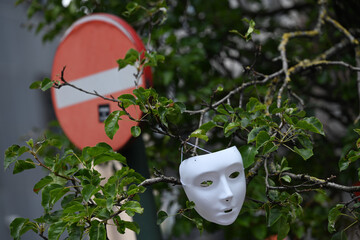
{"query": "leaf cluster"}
[(87, 204)]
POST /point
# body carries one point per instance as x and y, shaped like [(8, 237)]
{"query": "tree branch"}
[(159, 179), (322, 183), (266, 79), (94, 93), (254, 170)]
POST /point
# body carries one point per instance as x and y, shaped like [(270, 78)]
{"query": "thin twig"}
[(94, 93), (254, 170), (322, 183), (161, 178), (266, 79), (197, 139)]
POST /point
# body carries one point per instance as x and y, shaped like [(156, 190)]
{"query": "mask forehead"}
[(217, 162)]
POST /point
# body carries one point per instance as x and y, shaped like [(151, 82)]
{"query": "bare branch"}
[(266, 79), (94, 93), (254, 170), (333, 50), (322, 183), (338, 26), (159, 179)]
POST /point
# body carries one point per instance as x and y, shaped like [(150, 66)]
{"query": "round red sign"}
[(89, 50)]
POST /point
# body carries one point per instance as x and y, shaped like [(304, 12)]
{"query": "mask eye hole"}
[(206, 183), (234, 175)]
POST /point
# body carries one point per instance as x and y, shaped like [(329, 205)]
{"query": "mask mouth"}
[(228, 210)]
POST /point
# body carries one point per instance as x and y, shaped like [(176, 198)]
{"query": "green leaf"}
[(248, 153), (333, 216), (100, 202), (35, 85), (358, 143), (190, 204), (13, 153), (30, 142), (120, 225), (73, 207), (18, 227), (130, 58), (56, 229), (103, 213), (225, 109), (46, 84), (199, 133), (283, 228), (305, 153), (133, 189), (132, 226), (286, 178), (199, 224), (132, 207), (231, 126), (181, 106), (46, 195), (42, 183), (274, 215), (220, 118), (219, 89), (357, 130), (132, 6), (352, 156), (207, 126), (22, 165), (161, 216), (339, 236), (284, 165), (105, 157), (261, 139), (97, 231), (305, 141), (343, 164), (254, 132), (135, 131), (127, 100), (57, 193), (75, 232), (88, 191), (111, 123), (153, 58), (254, 105), (269, 147), (311, 124)]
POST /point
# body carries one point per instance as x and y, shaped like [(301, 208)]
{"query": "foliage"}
[(86, 204), (275, 91)]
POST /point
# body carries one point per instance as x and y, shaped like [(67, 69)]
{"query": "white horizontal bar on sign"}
[(104, 83)]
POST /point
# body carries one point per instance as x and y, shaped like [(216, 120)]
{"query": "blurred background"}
[(23, 60)]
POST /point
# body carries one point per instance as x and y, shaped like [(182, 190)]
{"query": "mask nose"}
[(226, 193)]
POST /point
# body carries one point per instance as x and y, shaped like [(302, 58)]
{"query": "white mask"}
[(216, 183)]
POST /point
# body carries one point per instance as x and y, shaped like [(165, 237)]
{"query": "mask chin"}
[(216, 183)]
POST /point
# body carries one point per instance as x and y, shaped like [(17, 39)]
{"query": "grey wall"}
[(23, 60)]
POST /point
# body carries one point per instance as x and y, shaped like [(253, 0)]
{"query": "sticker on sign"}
[(89, 50)]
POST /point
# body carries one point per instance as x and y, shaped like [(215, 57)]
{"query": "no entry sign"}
[(89, 50)]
